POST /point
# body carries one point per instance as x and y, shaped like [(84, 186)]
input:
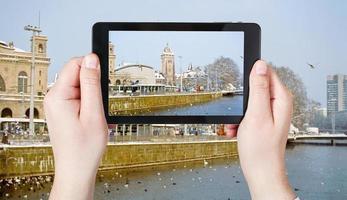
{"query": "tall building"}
[(111, 63), (336, 93), (15, 77), (168, 65)]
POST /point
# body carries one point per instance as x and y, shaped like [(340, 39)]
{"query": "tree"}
[(294, 83), (222, 72)]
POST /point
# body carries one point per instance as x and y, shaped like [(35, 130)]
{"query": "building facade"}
[(15, 79), (336, 93), (168, 65)]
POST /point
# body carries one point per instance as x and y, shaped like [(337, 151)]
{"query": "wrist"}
[(274, 185), (73, 185)]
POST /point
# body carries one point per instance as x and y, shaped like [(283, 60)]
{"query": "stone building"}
[(111, 63), (15, 78), (129, 74), (143, 73), (168, 65)]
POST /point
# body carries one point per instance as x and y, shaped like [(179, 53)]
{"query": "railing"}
[(164, 138), (25, 140)]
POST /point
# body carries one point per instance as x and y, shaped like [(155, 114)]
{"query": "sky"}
[(294, 32), (196, 48)]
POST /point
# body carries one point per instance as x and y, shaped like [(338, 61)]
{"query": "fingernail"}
[(90, 62), (260, 68)]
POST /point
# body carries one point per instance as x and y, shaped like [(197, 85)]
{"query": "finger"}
[(91, 99), (282, 100), (259, 91), (231, 130), (68, 82)]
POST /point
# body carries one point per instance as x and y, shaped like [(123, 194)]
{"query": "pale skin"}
[(78, 131)]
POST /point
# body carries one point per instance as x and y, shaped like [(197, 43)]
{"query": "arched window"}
[(117, 82), (2, 84), (22, 82), (40, 48), (36, 113), (6, 112)]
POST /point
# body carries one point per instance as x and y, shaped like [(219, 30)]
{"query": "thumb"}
[(91, 98), (259, 105)]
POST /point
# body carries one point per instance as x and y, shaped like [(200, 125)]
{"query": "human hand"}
[(77, 128), (262, 135)]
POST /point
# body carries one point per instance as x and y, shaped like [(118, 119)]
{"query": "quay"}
[(332, 138), (125, 105), (35, 160)]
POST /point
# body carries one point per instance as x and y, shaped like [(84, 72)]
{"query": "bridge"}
[(328, 137)]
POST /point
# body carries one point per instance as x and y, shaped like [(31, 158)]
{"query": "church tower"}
[(40, 45), (168, 65), (111, 62), (41, 70)]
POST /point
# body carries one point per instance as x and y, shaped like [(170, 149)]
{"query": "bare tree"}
[(298, 89), (222, 72)]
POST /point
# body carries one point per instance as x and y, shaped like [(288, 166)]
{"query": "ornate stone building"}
[(130, 73), (111, 63), (15, 76), (168, 65)]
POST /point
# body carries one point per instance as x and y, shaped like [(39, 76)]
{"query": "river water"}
[(316, 172), (226, 105)]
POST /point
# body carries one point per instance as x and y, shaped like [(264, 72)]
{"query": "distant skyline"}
[(196, 48), (294, 33)]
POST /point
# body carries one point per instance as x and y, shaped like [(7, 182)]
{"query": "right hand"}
[(262, 135)]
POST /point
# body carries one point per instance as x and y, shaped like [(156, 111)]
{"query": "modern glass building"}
[(336, 93)]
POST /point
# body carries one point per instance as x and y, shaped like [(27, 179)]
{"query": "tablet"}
[(181, 73)]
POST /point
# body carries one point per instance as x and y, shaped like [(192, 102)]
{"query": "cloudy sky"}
[(294, 33)]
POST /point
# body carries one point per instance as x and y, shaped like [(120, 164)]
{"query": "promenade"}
[(125, 152)]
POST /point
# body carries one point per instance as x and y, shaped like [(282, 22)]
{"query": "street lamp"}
[(35, 30), (181, 88)]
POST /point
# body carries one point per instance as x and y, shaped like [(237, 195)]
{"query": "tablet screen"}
[(176, 73)]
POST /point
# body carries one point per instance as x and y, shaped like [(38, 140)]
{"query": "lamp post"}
[(181, 82), (35, 30)]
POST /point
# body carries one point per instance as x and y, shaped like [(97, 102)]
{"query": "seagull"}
[(312, 66)]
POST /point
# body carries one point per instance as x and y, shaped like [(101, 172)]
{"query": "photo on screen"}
[(176, 73)]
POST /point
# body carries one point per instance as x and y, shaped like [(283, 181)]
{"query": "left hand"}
[(77, 128)]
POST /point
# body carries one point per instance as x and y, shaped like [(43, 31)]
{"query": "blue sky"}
[(293, 32), (196, 48)]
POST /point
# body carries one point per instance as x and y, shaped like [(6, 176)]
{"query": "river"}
[(226, 105), (316, 172)]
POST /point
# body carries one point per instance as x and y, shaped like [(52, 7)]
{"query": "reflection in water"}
[(316, 172)]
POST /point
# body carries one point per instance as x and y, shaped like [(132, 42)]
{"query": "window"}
[(22, 82), (36, 113), (2, 84), (40, 72), (6, 112), (40, 48)]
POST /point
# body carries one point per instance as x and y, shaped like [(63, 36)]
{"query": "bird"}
[(311, 65), (205, 162)]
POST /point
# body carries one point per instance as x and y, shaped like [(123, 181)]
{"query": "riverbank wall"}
[(125, 105), (38, 160)]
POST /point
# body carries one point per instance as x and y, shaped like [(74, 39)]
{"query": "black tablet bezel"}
[(100, 40)]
